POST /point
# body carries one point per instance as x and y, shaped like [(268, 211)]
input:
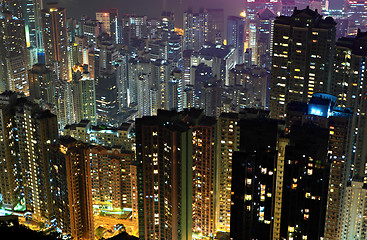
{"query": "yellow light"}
[(77, 68), (243, 14), (179, 31)]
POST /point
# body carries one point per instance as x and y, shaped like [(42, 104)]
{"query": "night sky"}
[(153, 8)]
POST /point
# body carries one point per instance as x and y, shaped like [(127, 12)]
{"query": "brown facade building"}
[(111, 173), (55, 39)]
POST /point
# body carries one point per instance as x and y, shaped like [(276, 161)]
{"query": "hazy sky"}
[(153, 8)]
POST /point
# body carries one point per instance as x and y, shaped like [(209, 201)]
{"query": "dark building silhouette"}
[(253, 180)]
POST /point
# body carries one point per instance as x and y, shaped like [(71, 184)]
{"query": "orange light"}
[(105, 14), (77, 68), (243, 14), (179, 31)]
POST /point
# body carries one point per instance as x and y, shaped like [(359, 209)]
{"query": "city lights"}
[(183, 124)]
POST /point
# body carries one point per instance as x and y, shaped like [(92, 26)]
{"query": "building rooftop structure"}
[(299, 18), (102, 135), (219, 51), (358, 44)]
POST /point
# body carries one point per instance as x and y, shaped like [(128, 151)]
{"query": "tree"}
[(10, 229), (100, 232)]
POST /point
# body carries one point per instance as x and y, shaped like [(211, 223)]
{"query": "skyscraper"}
[(11, 179), (91, 30), (13, 60), (321, 111), (164, 172), (104, 18), (55, 40), (175, 91), (248, 87), (354, 211), (186, 62), (107, 55), (64, 102), (122, 83), (211, 98), (348, 86), (59, 184), (176, 159), (84, 94), (215, 25), (305, 184), (303, 47), (265, 23), (236, 36), (339, 147), (143, 87), (77, 162), (138, 26), (274, 190), (228, 142), (34, 136), (167, 24), (111, 174), (287, 7), (203, 171), (175, 49), (195, 29), (25, 175), (254, 168), (106, 99), (33, 26), (221, 59), (14, 7), (78, 51), (252, 8), (356, 12), (42, 83)]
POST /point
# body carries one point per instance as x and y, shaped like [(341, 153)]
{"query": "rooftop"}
[(300, 18), (357, 44), (219, 51)]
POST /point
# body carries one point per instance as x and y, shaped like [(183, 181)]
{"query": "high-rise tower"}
[(76, 164), (26, 132), (236, 35), (84, 95), (215, 25), (303, 47), (33, 27), (55, 39), (164, 172), (176, 162), (195, 29), (13, 60), (349, 86), (41, 83)]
